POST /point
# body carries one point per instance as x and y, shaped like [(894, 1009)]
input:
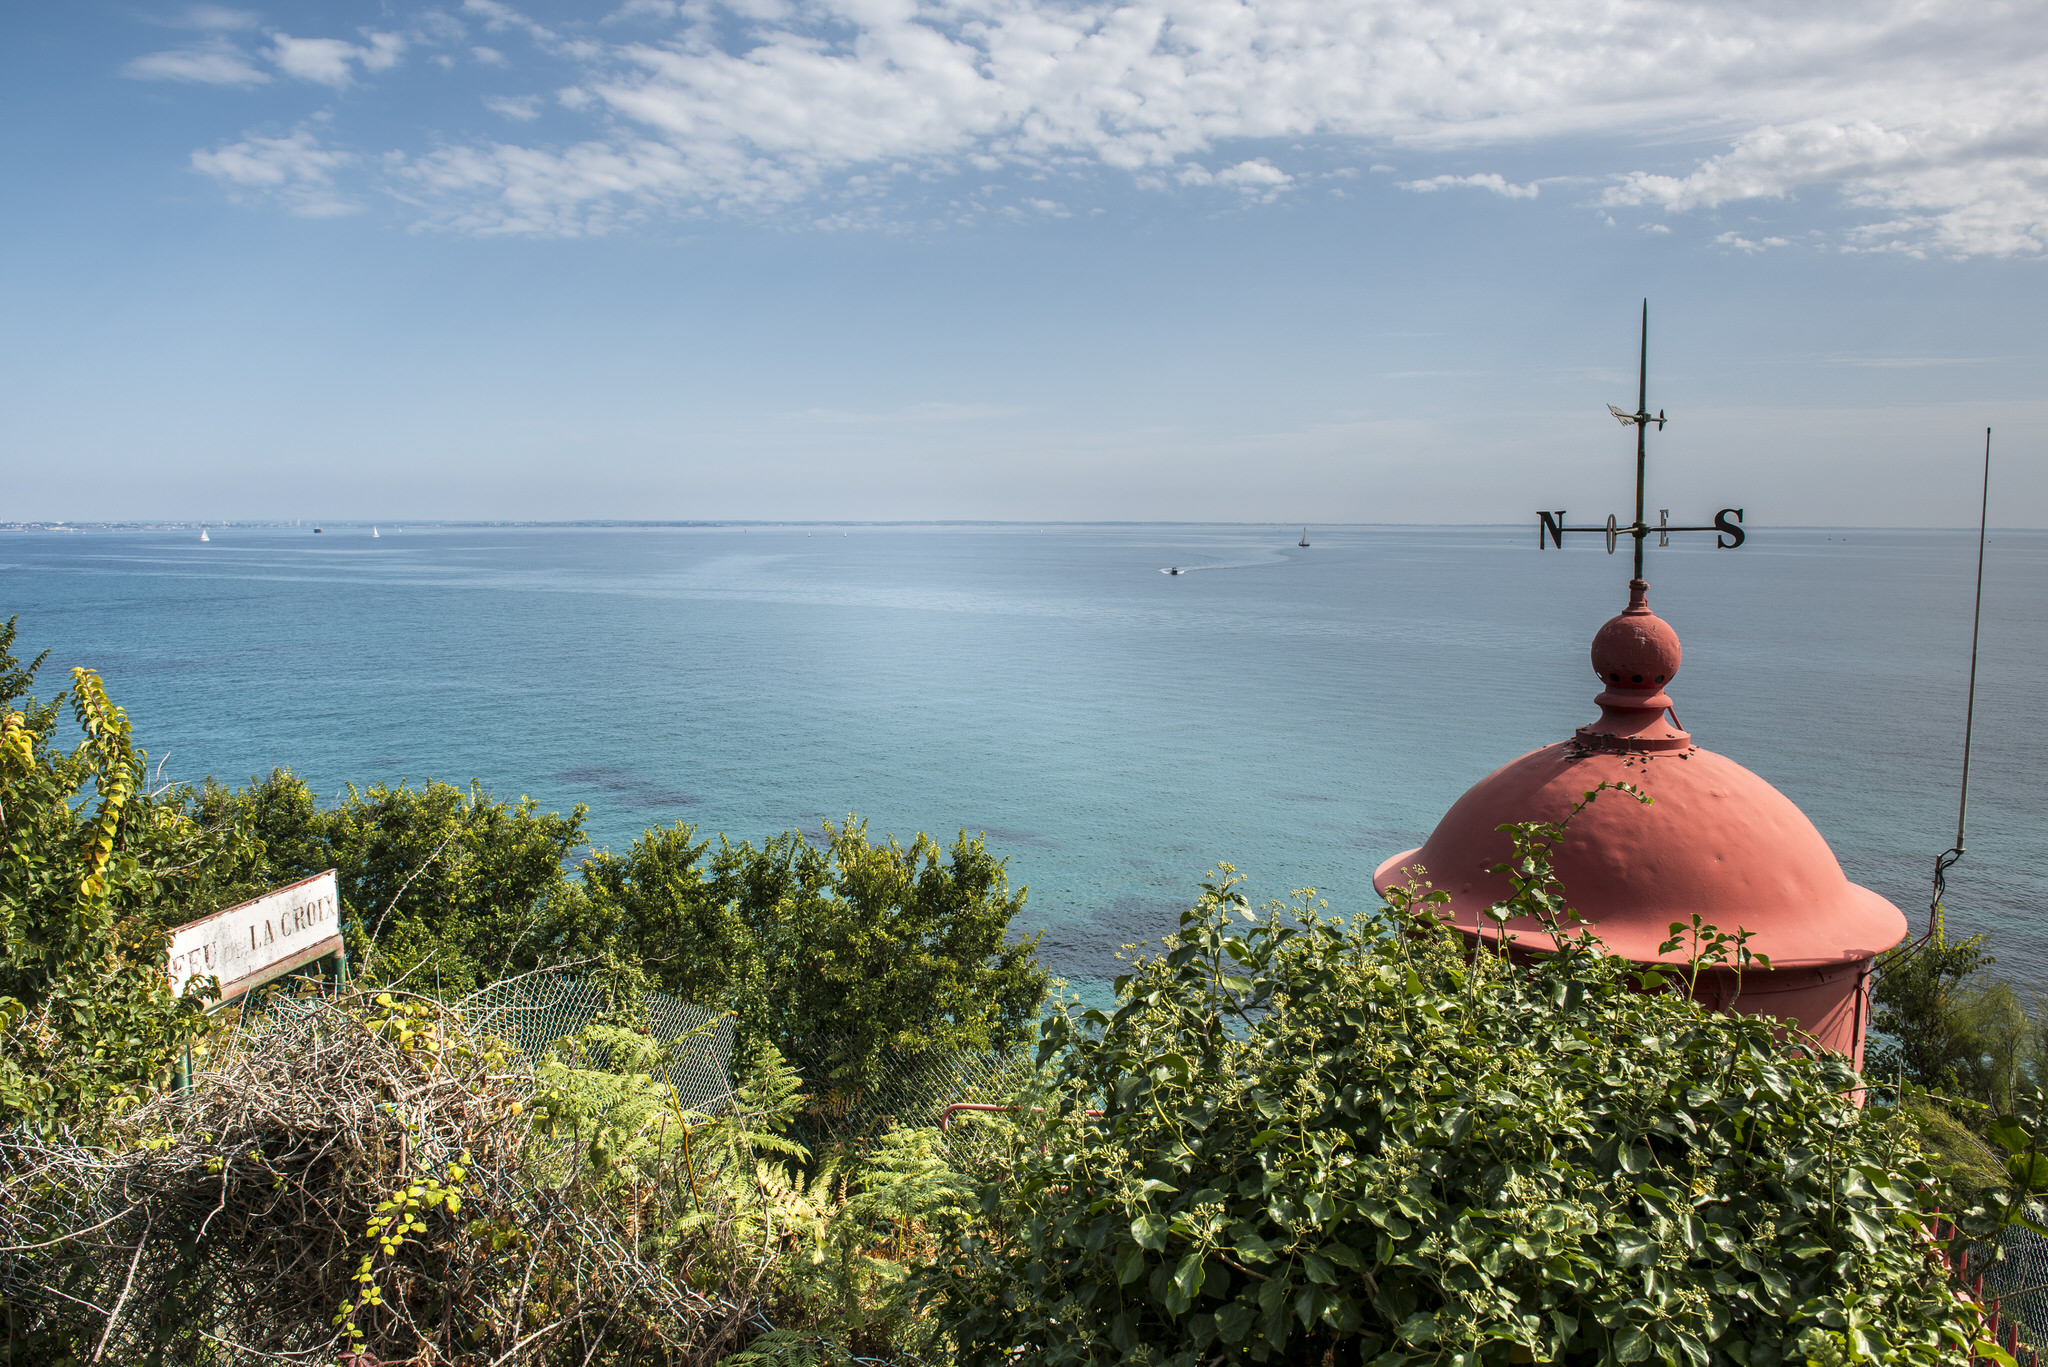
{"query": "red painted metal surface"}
[(1717, 841)]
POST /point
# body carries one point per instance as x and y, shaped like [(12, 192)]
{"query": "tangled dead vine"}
[(358, 1180)]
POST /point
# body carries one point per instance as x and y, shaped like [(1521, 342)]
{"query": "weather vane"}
[(1727, 523)]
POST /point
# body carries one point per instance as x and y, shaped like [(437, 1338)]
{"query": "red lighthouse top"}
[(1716, 840)]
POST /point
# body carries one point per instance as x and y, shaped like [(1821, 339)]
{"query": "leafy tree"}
[(844, 955), (451, 887), (1302, 1140), (1923, 1034), (93, 870)]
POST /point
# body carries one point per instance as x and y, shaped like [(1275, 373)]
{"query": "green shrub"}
[(455, 888), (93, 869), (1322, 1141), (846, 956)]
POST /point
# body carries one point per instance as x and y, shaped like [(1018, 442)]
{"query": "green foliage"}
[(608, 1087), (845, 1225), (842, 956), (453, 887), (1923, 1034), (873, 1213), (1959, 1048), (1966, 1162), (1322, 1141), (93, 870)]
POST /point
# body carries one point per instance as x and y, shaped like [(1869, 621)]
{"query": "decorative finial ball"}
[(1637, 650)]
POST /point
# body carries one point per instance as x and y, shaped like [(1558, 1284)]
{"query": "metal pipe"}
[(1976, 620), (1642, 427)]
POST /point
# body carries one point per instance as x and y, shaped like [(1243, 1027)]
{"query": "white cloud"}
[(1925, 121), (294, 171), (521, 107), (489, 56), (216, 17), (1488, 180), (326, 61), (1744, 244), (217, 62), (1258, 178), (1973, 182), (501, 18), (644, 9)]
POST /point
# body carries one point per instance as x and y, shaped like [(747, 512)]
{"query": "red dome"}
[(1716, 841)]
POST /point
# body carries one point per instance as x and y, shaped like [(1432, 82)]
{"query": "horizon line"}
[(196, 524)]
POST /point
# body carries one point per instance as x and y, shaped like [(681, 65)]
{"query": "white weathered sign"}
[(248, 945)]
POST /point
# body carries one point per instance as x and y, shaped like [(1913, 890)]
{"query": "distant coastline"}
[(470, 524)]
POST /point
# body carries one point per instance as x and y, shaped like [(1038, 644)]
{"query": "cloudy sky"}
[(1261, 259)]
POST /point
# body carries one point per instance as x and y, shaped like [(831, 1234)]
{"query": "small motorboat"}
[(318, 530), (1174, 570)]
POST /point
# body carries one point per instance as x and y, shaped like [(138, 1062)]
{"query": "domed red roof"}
[(1716, 839)]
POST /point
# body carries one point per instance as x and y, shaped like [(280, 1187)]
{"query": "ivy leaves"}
[(1293, 1136)]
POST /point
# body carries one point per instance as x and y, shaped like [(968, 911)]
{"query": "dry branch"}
[(295, 1206)]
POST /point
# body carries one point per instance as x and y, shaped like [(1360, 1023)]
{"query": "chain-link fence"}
[(2015, 1287), (534, 1012), (907, 1089)]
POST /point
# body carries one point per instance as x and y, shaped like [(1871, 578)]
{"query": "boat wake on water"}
[(1232, 565)]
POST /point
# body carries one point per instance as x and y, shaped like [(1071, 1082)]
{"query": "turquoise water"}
[(1113, 729)]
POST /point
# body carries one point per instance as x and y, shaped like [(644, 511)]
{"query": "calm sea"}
[(1114, 730)]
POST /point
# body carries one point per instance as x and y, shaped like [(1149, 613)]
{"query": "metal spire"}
[(1727, 523)]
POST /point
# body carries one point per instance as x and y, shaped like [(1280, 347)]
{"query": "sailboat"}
[(203, 536), (1304, 538), (373, 533)]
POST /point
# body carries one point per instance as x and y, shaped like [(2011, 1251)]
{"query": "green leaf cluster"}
[(446, 887), (1303, 1139), (1942, 1022), (844, 955), (844, 1225), (94, 867)]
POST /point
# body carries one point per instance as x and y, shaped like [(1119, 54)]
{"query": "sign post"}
[(254, 942), (259, 941)]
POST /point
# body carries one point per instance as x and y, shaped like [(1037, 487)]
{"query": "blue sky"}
[(1302, 261)]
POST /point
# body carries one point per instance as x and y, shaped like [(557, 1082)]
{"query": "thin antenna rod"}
[(1642, 426), (1946, 860)]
